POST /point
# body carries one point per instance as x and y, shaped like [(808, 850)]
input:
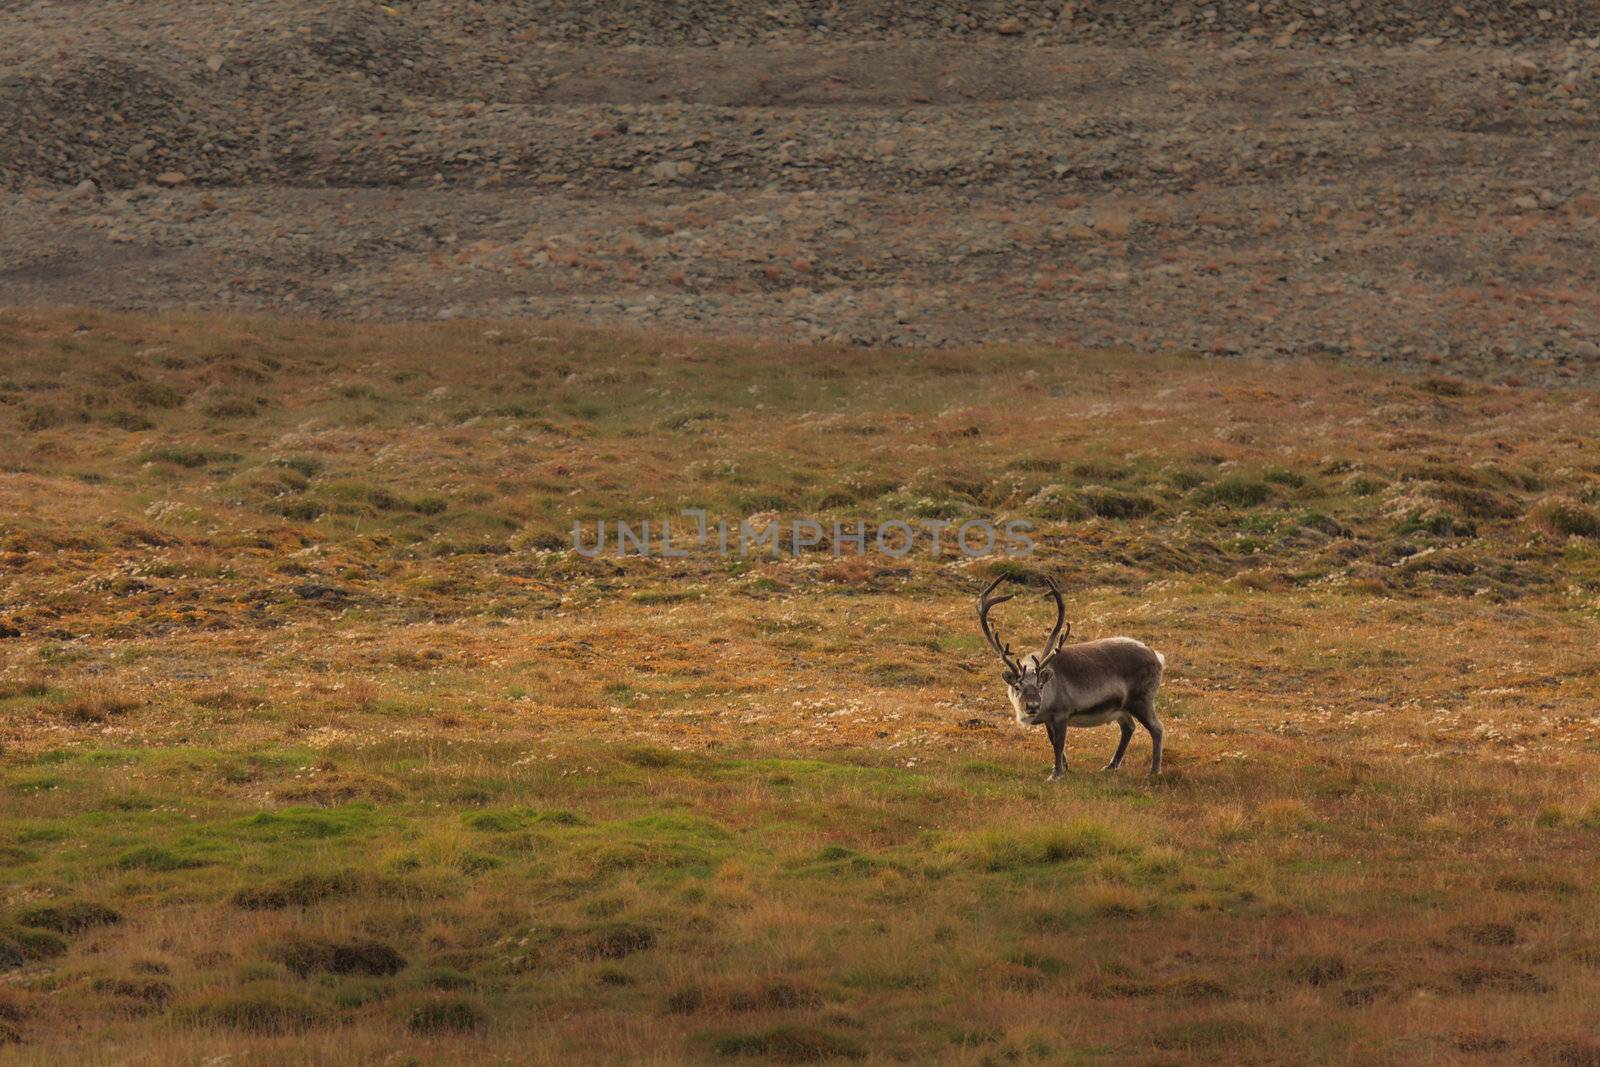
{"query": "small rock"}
[(1010, 27), (86, 189), (214, 62), (318, 591), (1522, 70), (171, 178)]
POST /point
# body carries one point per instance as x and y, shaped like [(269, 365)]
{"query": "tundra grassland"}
[(321, 745)]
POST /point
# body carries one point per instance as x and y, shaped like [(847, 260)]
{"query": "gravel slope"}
[(1410, 182)]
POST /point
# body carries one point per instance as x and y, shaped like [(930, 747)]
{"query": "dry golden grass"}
[(319, 744)]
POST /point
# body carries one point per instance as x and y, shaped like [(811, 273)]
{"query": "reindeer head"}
[(1028, 678)]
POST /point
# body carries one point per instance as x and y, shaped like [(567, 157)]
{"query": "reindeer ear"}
[(1010, 678)]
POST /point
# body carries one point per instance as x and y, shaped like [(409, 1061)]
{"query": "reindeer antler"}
[(1054, 591), (986, 601)]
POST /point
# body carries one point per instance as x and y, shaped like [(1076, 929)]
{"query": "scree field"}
[(320, 744)]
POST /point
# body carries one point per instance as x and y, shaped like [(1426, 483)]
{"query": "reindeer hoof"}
[(1055, 777), (1109, 767)]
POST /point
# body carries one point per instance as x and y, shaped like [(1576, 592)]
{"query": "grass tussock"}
[(1561, 517), (305, 955), (300, 891), (447, 1015), (1208, 1034), (1235, 492), (23, 687), (789, 1044), (21, 945), (139, 994), (95, 708), (262, 1009), (157, 858), (69, 917), (1018, 849)]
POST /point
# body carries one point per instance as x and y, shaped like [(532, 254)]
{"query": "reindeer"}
[(1086, 684)]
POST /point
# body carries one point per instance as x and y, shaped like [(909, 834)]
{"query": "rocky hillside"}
[(1410, 182)]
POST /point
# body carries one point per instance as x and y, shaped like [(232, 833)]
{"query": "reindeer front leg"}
[(1058, 739)]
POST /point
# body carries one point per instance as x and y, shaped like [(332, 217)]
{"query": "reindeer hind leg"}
[(1143, 709), (1125, 724)]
